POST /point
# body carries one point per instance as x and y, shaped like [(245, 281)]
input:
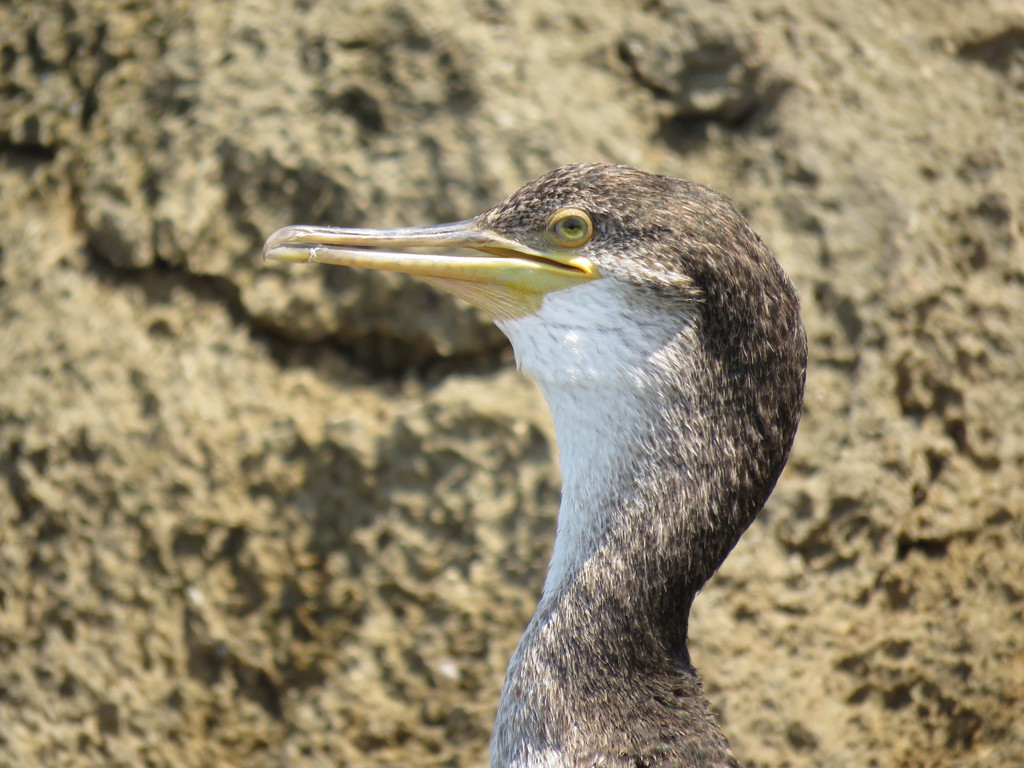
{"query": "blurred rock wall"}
[(255, 515)]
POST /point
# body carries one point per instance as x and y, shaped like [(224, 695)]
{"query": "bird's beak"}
[(505, 278)]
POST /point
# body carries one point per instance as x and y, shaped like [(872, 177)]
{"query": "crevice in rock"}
[(999, 51), (361, 360)]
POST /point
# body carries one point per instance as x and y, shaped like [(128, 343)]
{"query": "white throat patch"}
[(595, 354)]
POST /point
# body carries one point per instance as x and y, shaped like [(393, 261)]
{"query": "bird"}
[(668, 343)]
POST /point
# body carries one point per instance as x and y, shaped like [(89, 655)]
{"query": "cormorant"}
[(668, 343)]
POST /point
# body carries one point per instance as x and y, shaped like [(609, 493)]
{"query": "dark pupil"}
[(571, 227)]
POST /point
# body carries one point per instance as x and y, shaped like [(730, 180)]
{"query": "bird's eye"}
[(570, 227)]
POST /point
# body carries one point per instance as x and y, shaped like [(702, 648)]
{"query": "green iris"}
[(570, 227)]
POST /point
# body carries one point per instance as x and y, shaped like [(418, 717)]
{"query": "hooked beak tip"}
[(281, 246)]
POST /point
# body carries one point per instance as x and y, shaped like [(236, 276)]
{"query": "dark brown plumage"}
[(607, 659)]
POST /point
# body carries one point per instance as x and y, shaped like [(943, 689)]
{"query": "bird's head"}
[(609, 255)]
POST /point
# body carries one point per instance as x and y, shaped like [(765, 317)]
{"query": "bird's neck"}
[(602, 434), (631, 413), (604, 657)]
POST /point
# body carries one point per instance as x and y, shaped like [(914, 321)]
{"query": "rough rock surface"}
[(260, 516)]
